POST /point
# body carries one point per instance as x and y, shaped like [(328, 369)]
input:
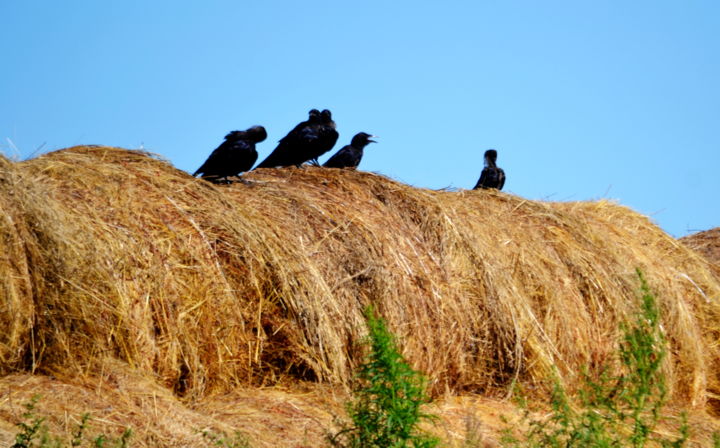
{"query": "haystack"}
[(707, 243), (113, 255)]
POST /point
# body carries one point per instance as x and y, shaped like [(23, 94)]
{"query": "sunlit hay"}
[(707, 243), (116, 400), (264, 281), (17, 251), (120, 397), (139, 281)]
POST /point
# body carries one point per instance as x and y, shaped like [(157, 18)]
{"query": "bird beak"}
[(373, 141)]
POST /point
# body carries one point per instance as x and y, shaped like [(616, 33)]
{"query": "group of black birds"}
[(306, 143)]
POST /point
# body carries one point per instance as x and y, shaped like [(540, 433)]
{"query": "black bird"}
[(235, 155), (285, 154), (350, 155), (327, 136), (307, 141), (491, 176)]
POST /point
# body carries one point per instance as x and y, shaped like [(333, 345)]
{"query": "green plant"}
[(614, 410), (122, 442), (387, 397), (34, 432), (238, 440), (30, 428), (78, 436)]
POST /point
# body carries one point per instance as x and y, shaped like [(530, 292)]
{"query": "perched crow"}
[(350, 155), (285, 152), (235, 155), (327, 135), (491, 176), (307, 141)]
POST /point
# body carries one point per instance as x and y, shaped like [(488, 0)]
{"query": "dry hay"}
[(113, 254), (300, 417), (267, 417), (707, 243)]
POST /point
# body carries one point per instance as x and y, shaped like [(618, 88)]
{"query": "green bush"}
[(387, 397), (613, 410)]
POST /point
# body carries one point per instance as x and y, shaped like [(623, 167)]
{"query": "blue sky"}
[(582, 100)]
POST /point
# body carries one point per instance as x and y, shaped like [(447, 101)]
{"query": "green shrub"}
[(613, 410), (387, 397)]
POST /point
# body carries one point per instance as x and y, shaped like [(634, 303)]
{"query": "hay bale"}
[(254, 283), (707, 243)]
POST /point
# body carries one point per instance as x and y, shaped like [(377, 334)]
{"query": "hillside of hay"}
[(156, 300)]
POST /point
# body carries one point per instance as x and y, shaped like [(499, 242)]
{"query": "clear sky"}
[(582, 99)]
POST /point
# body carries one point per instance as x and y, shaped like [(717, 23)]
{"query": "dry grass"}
[(298, 417), (268, 417), (707, 243), (112, 255)]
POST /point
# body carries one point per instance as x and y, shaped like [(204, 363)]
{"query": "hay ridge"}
[(110, 254), (707, 243)]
